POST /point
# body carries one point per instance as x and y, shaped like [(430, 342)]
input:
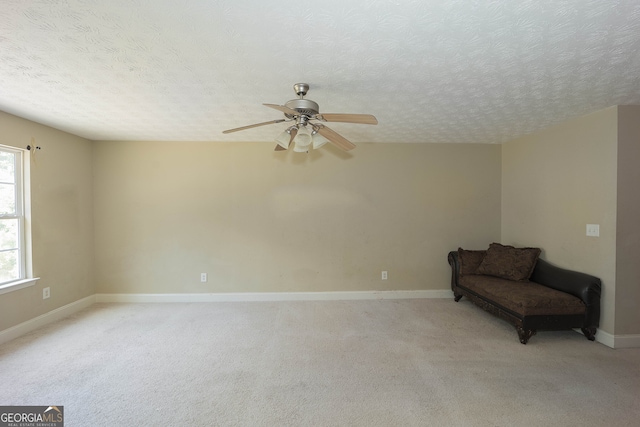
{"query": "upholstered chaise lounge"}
[(528, 292)]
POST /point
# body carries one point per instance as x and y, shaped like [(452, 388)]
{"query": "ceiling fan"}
[(309, 129)]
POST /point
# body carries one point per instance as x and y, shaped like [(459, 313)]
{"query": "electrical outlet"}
[(384, 275), (203, 277), (46, 292), (593, 230)]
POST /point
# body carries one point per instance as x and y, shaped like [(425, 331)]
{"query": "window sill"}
[(18, 284)]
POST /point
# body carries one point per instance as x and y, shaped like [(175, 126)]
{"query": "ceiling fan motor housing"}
[(303, 106)]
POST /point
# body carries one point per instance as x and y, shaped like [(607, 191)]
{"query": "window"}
[(13, 244)]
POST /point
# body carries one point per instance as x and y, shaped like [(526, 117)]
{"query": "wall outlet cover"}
[(593, 230)]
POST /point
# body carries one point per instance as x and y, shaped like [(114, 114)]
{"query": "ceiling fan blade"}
[(284, 109), (335, 138), (365, 119), (279, 147), (253, 126)]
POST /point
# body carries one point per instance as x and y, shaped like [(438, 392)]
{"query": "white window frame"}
[(25, 278)]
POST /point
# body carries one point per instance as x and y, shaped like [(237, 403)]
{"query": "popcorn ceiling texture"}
[(431, 71)]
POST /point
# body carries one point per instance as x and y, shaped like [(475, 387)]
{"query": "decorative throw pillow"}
[(469, 261), (508, 262)]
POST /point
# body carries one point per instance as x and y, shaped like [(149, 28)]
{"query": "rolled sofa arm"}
[(584, 286), (455, 268)]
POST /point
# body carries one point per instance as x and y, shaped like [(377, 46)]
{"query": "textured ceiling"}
[(481, 71)]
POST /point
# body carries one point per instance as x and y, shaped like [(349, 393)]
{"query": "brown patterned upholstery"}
[(469, 260), (508, 262), (524, 298)]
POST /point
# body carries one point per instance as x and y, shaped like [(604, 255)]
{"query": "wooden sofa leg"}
[(456, 297), (525, 334), (590, 333)]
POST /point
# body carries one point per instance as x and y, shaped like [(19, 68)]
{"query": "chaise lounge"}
[(530, 293)]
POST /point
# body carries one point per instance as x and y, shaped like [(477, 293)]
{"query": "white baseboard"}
[(616, 341), (627, 341), (604, 338), (42, 320), (273, 296)]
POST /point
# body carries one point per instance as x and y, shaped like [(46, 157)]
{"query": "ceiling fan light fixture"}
[(306, 133), (303, 139), (298, 149), (318, 140), (284, 139)]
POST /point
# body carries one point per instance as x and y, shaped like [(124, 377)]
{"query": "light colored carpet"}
[(339, 363)]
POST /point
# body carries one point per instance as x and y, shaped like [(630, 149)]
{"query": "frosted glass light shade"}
[(303, 138), (301, 148), (319, 141), (284, 139)]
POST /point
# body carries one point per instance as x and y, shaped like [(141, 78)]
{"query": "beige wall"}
[(259, 221), (554, 183), (62, 219), (627, 317)]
